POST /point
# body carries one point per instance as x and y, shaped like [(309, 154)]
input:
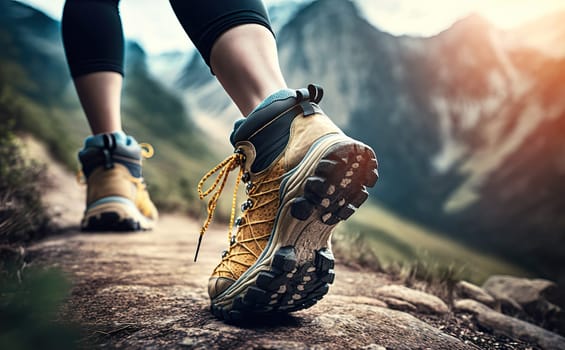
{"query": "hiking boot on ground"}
[(117, 197), (302, 176)]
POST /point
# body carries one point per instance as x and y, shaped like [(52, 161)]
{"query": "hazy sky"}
[(152, 22)]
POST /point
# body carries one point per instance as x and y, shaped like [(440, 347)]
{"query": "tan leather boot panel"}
[(110, 182), (304, 131)]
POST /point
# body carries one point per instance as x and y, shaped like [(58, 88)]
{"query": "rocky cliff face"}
[(468, 124)]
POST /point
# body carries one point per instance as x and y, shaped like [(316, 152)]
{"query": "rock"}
[(518, 329), (424, 302), (534, 297), (373, 347), (509, 306), (467, 290), (363, 326), (346, 299), (509, 326), (504, 304), (400, 305), (525, 291), (470, 305), (279, 345)]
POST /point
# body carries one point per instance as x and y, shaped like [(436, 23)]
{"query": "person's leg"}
[(99, 95), (117, 197), (246, 63), (302, 174), (94, 46), (236, 41)]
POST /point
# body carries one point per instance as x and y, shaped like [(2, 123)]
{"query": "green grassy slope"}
[(396, 240)]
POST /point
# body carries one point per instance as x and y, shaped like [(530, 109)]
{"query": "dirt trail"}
[(142, 290)]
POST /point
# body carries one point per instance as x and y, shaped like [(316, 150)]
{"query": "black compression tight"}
[(94, 40)]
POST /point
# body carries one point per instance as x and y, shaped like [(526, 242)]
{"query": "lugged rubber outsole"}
[(334, 189), (300, 273), (107, 222), (286, 287), (115, 217)]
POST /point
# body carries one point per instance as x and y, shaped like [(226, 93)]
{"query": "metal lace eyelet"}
[(239, 221), (224, 254), (232, 241), (242, 157), (246, 177), (248, 204), (249, 187)]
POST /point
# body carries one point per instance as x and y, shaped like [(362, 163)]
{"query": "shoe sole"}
[(115, 217), (296, 268)]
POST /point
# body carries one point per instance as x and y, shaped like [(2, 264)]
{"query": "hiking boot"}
[(302, 176), (117, 197)]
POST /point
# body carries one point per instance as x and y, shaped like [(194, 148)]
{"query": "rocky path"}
[(142, 290)]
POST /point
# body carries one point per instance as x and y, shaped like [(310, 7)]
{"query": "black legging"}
[(94, 39)]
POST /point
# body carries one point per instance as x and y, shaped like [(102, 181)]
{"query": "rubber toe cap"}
[(217, 285)]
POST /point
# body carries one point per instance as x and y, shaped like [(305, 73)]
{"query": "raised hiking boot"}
[(302, 176), (117, 197)]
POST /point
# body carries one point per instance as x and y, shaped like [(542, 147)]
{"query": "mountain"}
[(283, 12), (522, 200), (546, 34), (31, 34), (34, 76), (167, 67), (468, 126), (511, 130)]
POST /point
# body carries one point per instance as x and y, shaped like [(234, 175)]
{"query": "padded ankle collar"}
[(268, 128), (103, 150), (117, 137), (306, 99)]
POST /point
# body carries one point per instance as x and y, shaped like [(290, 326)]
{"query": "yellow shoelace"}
[(255, 236), (147, 150), (223, 169)]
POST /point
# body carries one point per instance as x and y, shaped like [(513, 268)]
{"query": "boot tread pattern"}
[(285, 287), (332, 193), (339, 184)]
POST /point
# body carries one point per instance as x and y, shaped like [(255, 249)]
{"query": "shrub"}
[(22, 214)]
